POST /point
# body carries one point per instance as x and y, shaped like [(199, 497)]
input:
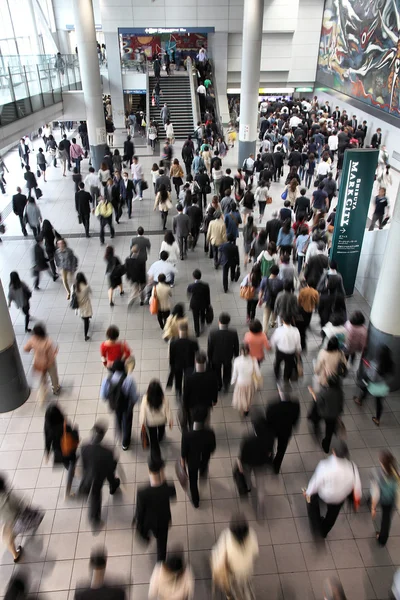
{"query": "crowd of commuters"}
[(291, 277)]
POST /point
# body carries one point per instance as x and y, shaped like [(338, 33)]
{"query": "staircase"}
[(176, 93)]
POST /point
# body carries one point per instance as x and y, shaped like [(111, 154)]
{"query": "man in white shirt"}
[(248, 167), (333, 142), (334, 479), (137, 176), (295, 120), (201, 92), (92, 184), (323, 169), (286, 342), (162, 266)]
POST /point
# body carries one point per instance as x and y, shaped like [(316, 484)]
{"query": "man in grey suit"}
[(181, 227), (162, 180)]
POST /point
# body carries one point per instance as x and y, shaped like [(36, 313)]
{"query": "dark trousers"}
[(103, 222), (376, 218), (330, 426), (226, 268), (379, 402), (162, 316), (251, 309), (25, 310), (215, 255), (331, 515), (277, 172), (129, 205), (177, 374), (162, 539), (156, 435), (193, 473), (164, 217), (94, 488), (387, 511), (188, 166), (199, 316), (35, 230), (224, 372), (282, 444), (77, 162), (301, 326), (124, 426), (22, 223), (182, 243), (86, 322), (289, 360), (85, 223)]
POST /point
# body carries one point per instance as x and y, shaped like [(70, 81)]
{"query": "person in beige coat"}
[(154, 414), (44, 359), (172, 579), (328, 363), (163, 292), (163, 201), (83, 293), (216, 235)]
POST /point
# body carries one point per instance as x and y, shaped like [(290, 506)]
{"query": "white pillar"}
[(90, 75), (14, 390), (250, 76), (34, 37), (111, 40)]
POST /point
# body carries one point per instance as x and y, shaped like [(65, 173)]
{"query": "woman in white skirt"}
[(246, 376)]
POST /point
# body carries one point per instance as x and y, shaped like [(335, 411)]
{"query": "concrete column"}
[(14, 389), (115, 78), (384, 327), (90, 75), (250, 81), (34, 37)]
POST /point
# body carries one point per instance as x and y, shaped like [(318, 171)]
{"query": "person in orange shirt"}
[(257, 341)]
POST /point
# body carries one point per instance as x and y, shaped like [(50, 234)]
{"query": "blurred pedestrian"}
[(20, 293), (44, 359), (385, 491)]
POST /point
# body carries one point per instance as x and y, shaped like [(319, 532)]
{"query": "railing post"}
[(40, 85), (28, 90)]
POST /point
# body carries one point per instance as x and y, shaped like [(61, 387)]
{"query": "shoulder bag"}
[(153, 304), (247, 292)]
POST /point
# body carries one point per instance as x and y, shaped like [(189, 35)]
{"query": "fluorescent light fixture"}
[(271, 90), (304, 89)]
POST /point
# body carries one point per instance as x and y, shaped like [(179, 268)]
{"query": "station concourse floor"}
[(290, 565)]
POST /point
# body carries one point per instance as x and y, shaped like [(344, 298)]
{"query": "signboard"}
[(160, 30), (136, 91), (352, 210), (101, 136), (244, 132)]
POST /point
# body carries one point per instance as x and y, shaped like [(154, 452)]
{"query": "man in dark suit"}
[(181, 228), (98, 589), (162, 180), (129, 149), (223, 347), (199, 293), (82, 205), (153, 511), (282, 415), (226, 183), (229, 259), (65, 144), (182, 352), (376, 139), (127, 190), (197, 446), (19, 201), (354, 123), (98, 464), (201, 388), (142, 242), (135, 266), (278, 157), (336, 114)]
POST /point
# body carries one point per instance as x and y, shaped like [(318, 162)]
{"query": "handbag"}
[(74, 304), (209, 315), (247, 292), (28, 519), (299, 365), (2, 228), (269, 200), (257, 379), (144, 437), (38, 173), (240, 481), (39, 193), (378, 389), (284, 194), (153, 304), (181, 474), (237, 273), (145, 185)]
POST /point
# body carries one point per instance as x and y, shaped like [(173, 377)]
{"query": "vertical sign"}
[(352, 210), (244, 131)]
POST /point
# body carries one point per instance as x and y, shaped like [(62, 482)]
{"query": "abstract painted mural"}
[(359, 51)]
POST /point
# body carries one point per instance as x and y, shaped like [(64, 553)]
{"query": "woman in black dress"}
[(114, 270), (50, 236)]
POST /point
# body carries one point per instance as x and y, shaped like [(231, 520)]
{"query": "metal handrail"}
[(192, 72)]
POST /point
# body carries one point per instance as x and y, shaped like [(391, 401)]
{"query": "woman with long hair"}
[(83, 293), (244, 375), (252, 281), (50, 235), (384, 491), (377, 371), (104, 174), (176, 174), (154, 414), (44, 359), (177, 316), (249, 235), (114, 271), (170, 245), (117, 160), (163, 201), (285, 238), (330, 362), (155, 174), (261, 196), (20, 293)]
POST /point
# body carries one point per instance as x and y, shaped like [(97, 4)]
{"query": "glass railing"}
[(30, 83)]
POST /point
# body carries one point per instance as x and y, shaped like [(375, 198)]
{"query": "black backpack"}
[(116, 397)]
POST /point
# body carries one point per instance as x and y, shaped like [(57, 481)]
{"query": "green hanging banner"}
[(352, 210)]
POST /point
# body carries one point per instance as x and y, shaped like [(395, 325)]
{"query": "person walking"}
[(381, 207), (182, 352), (121, 393), (82, 203), (20, 293), (19, 201), (104, 210), (172, 579), (356, 336), (246, 377), (40, 261), (61, 439), (200, 389), (282, 417), (76, 154), (112, 349), (162, 291), (330, 361), (163, 201), (137, 176), (307, 301), (229, 259), (249, 290), (174, 321), (200, 300), (154, 414), (98, 464), (114, 271), (249, 235), (92, 182), (33, 216), (31, 182), (44, 360), (153, 507), (384, 491), (67, 263), (334, 479), (50, 235), (222, 349), (232, 559), (287, 345), (127, 190), (216, 236), (197, 446), (41, 163), (377, 371), (98, 588), (328, 405), (181, 228), (83, 293), (64, 153), (176, 174), (135, 271), (257, 340)]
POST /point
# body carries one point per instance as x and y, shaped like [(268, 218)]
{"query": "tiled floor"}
[(290, 565)]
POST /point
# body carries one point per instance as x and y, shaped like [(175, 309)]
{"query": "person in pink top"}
[(76, 154), (356, 337), (256, 340), (44, 359)]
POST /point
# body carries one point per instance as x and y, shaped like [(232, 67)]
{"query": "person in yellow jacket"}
[(216, 235), (104, 210)]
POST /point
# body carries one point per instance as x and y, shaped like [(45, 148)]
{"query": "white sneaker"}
[(136, 198)]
